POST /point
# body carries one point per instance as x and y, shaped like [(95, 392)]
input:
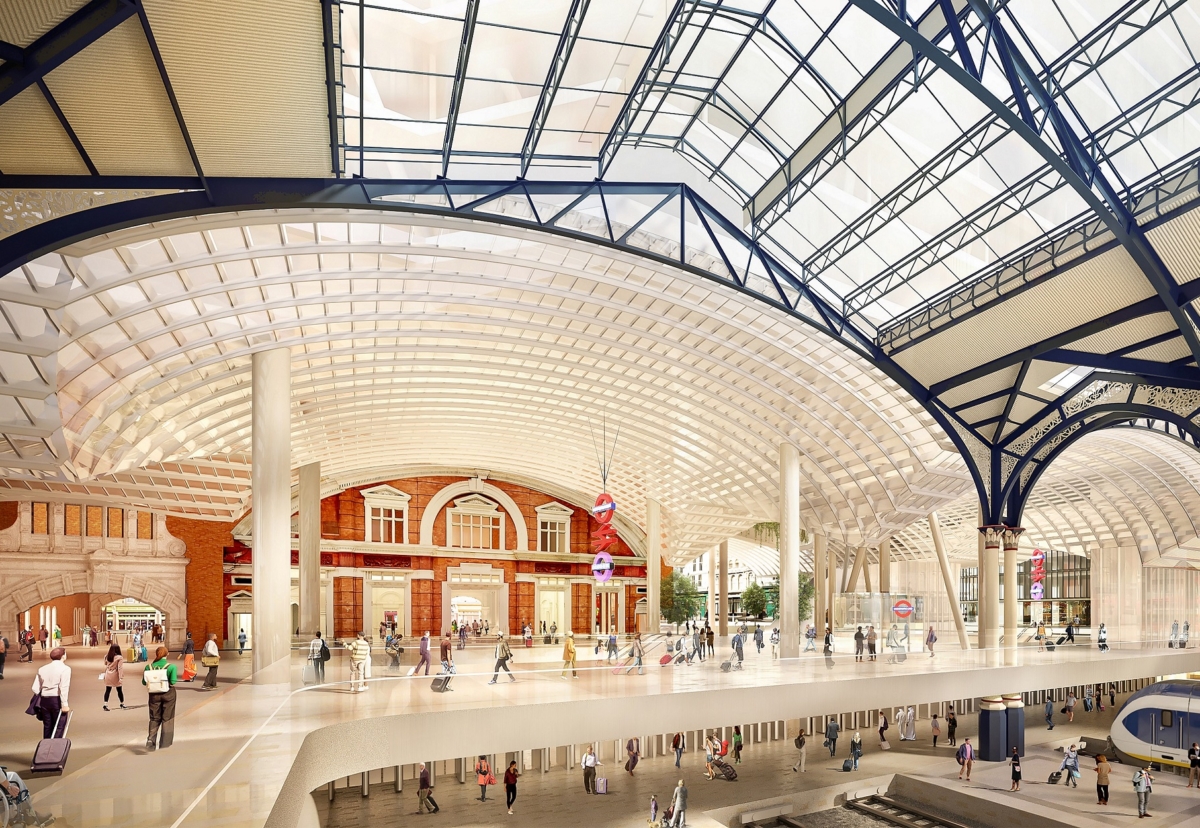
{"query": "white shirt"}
[(314, 648), (53, 679), (210, 649), (589, 760)]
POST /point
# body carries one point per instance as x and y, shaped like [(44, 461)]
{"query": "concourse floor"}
[(234, 748), (557, 798)]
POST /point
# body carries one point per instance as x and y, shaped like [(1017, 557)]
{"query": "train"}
[(1158, 724)]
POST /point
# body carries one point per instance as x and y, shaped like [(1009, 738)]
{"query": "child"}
[(654, 823)]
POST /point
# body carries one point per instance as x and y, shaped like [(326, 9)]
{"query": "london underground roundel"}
[(603, 566), (902, 608)]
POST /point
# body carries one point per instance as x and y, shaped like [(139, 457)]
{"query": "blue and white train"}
[(1159, 723)]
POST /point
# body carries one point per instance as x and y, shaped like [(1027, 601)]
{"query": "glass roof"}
[(885, 183)]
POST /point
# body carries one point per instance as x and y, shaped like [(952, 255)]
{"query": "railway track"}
[(889, 810)]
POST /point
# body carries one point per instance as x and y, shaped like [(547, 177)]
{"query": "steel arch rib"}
[(1108, 207)]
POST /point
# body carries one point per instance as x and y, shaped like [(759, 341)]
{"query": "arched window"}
[(474, 522)]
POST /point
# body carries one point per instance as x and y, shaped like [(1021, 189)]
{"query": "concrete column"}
[(789, 551), (990, 577), (819, 561), (271, 492), (981, 603), (653, 568), (1012, 593), (310, 549), (885, 566), (831, 572), (939, 546), (723, 601), (712, 587)]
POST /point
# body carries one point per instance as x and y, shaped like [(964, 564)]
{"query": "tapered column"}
[(712, 587), (1012, 594), (653, 567), (270, 485), (310, 549), (885, 566), (981, 601), (989, 583), (939, 546), (831, 572), (723, 586), (820, 559), (789, 551)]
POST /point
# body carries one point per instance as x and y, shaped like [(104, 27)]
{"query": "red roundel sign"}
[(902, 609)]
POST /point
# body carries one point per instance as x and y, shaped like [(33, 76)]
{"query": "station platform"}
[(250, 754)]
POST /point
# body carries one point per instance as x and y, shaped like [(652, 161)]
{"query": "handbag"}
[(491, 780), (157, 681), (210, 661), (885, 745)]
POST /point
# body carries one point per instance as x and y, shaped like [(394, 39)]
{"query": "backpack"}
[(724, 747), (324, 654), (885, 723), (677, 742), (961, 755), (799, 743)]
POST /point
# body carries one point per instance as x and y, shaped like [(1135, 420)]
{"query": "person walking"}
[(446, 653), (569, 656), (678, 744), (910, 725), (737, 744), (930, 639), (589, 762), (737, 651), (633, 752), (318, 654), (827, 647), (27, 638), (1015, 762), (1102, 769), (679, 806), (775, 643), (211, 659), (758, 638), (951, 726), (423, 649), (425, 792), (697, 646), (1069, 709), (114, 675), (936, 727), (188, 654), (1040, 636), (1112, 694), (856, 749), (161, 700), (1049, 711), (872, 642), (710, 638), (639, 652), (832, 729), (860, 641), (483, 775), (360, 654), (1070, 633), (242, 641), (43, 636), (614, 652), (1102, 639), (810, 638), (883, 726), (1173, 642), (52, 686), (503, 654), (965, 756), (1070, 764), (894, 644), (712, 747), (1194, 765), (510, 785), (1143, 784), (801, 744)]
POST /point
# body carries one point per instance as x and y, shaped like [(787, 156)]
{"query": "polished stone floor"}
[(234, 748)]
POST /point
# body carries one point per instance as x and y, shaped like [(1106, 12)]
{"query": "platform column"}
[(653, 567), (723, 585), (831, 574), (989, 587), (310, 549), (789, 551), (1012, 592), (711, 609), (270, 486), (885, 569)]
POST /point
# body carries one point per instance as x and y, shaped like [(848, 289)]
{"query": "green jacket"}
[(172, 672)]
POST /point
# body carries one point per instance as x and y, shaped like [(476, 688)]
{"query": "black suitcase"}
[(728, 772), (679, 658), (847, 765), (1054, 778), (726, 666), (51, 754), (441, 684), (1061, 640), (546, 639)]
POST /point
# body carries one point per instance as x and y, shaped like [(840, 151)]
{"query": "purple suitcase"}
[(51, 754)]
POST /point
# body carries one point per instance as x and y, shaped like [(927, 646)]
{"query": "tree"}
[(806, 591), (678, 599), (754, 600)]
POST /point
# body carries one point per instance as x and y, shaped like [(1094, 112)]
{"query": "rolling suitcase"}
[(680, 658), (309, 676), (1060, 640), (1054, 778), (666, 659), (728, 772), (441, 684), (726, 666), (601, 785), (847, 765), (51, 754)]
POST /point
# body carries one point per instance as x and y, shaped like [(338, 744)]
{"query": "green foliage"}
[(754, 600), (807, 590), (678, 599), (767, 533)]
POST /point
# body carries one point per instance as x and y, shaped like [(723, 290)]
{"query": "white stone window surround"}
[(391, 504), (554, 519), (475, 522)]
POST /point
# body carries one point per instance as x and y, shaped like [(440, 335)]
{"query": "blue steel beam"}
[(1075, 165), (66, 125), (331, 84), (460, 79), (61, 43), (558, 68)]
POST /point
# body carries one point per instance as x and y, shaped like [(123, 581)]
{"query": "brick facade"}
[(205, 541)]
